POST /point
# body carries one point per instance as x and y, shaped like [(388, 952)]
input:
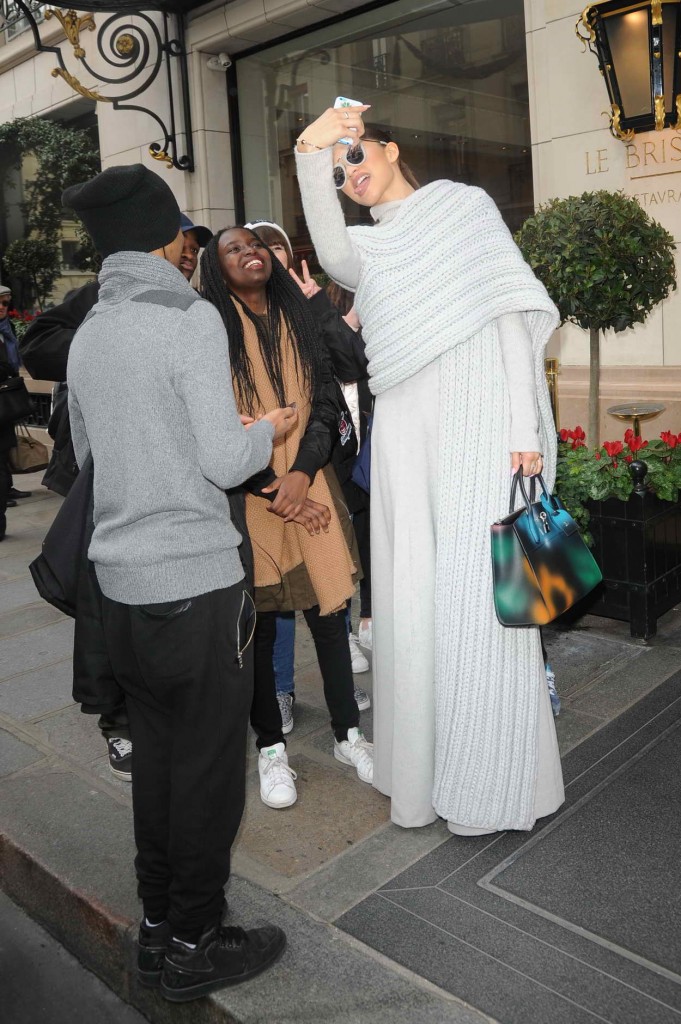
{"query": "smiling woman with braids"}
[(301, 544)]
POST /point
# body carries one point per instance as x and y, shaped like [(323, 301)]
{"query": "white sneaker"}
[(357, 751), (365, 636), (362, 699), (359, 662), (277, 788)]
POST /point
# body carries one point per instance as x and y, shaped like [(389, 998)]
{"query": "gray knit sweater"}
[(150, 395)]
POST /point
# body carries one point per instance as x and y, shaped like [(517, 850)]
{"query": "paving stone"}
[(35, 649), (539, 984), (19, 592), (14, 559), (574, 726), (578, 659), (28, 616), (36, 693), (14, 754), (321, 978), (456, 965), (334, 811), (342, 883), (71, 733), (628, 682)]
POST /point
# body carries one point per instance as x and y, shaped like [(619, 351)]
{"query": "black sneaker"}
[(223, 956), (152, 944), (14, 493), (120, 757)]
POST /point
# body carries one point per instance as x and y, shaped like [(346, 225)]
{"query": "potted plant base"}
[(637, 544), (631, 512)]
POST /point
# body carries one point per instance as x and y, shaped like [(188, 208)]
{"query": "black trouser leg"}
[(330, 636), (265, 713), (188, 704), (4, 486), (115, 723)]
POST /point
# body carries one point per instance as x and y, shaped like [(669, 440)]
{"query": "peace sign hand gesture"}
[(308, 285)]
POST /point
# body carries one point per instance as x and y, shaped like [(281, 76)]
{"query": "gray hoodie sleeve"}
[(336, 251), (228, 454)]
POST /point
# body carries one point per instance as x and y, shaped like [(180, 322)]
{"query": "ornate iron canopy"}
[(132, 55), (638, 46)]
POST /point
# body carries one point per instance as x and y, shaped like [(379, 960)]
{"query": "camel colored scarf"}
[(279, 547)]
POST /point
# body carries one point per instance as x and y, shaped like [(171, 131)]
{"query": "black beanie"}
[(126, 209)]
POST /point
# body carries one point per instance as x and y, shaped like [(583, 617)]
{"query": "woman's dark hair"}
[(270, 235), (284, 298), (342, 299), (373, 133)]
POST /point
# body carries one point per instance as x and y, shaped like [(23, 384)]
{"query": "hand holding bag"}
[(15, 401), (30, 455), (541, 565)]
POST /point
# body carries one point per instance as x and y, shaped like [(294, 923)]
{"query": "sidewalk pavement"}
[(331, 870)]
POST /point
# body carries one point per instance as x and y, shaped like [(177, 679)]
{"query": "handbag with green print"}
[(541, 565)]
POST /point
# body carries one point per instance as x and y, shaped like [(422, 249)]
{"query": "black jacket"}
[(45, 352), (348, 357), (7, 435)]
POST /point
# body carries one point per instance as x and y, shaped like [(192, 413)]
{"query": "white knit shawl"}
[(434, 279)]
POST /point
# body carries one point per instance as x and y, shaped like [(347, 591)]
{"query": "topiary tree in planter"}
[(604, 262)]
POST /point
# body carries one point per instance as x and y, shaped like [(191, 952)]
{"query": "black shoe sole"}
[(185, 995), (150, 979)]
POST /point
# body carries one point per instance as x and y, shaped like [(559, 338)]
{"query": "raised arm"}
[(335, 250)]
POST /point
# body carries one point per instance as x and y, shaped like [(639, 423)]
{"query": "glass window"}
[(448, 83), (12, 20)]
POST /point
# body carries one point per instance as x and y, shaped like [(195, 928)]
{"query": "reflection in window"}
[(448, 83), (12, 20)]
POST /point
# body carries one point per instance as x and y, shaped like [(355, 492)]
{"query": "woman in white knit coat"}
[(455, 325)]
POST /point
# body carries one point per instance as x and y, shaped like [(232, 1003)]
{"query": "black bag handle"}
[(518, 481)]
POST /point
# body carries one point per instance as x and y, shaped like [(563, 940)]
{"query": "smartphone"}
[(343, 101)]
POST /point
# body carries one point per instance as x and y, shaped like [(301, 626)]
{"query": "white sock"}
[(150, 925), (189, 945)]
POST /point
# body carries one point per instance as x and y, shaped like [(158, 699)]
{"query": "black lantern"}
[(638, 46)]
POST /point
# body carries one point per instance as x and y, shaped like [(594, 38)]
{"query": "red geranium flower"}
[(628, 434), (597, 455), (577, 444), (564, 434), (669, 438), (613, 447), (636, 444), (578, 434), (629, 458)]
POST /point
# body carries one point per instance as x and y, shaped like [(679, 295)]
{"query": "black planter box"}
[(637, 544)]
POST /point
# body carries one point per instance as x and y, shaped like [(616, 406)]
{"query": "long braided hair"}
[(284, 299)]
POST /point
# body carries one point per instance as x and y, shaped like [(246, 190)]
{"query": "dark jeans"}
[(361, 523), (330, 636), (188, 701)]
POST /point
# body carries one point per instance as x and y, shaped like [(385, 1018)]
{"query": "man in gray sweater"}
[(150, 397)]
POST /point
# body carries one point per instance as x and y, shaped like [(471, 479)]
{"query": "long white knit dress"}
[(462, 722)]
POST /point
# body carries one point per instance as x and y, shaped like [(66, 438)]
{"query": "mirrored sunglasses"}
[(355, 156)]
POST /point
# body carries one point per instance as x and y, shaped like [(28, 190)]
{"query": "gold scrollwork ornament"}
[(660, 113), (73, 24), (616, 126), (89, 94), (161, 155), (584, 24), (656, 11), (125, 44)]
